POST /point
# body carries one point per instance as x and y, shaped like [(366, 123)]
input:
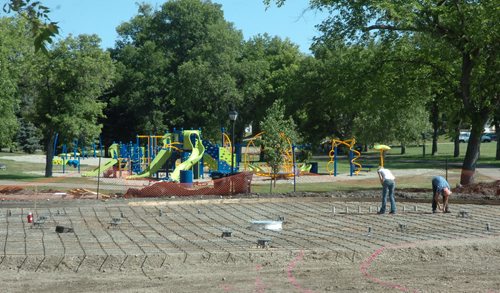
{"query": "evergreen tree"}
[(28, 137)]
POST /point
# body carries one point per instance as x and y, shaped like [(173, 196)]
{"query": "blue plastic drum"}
[(186, 176)]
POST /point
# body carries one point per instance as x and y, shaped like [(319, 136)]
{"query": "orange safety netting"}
[(235, 184)]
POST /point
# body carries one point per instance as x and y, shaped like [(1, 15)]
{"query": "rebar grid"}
[(149, 239)]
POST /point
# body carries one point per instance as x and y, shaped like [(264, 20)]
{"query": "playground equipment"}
[(147, 165), (263, 169), (382, 148), (65, 158), (354, 166), (184, 145), (218, 158), (193, 150), (113, 153)]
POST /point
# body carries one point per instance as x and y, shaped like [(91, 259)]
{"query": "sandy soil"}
[(329, 243)]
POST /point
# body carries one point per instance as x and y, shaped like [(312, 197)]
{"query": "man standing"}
[(388, 185), (440, 186)]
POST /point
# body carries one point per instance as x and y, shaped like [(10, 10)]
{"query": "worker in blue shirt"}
[(440, 187)]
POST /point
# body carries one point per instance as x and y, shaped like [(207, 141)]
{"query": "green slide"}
[(194, 158), (113, 153), (155, 165), (103, 168)]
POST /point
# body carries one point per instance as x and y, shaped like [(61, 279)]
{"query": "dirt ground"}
[(329, 242)]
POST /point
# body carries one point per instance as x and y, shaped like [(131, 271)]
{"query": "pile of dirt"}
[(9, 189), (492, 188)]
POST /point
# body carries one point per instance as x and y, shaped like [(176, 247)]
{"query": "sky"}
[(101, 17)]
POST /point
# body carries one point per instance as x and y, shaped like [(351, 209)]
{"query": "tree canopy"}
[(71, 78), (379, 72), (467, 30), (279, 135), (36, 14), (178, 68), (15, 55)]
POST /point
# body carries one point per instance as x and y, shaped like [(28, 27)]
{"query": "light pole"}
[(232, 116)]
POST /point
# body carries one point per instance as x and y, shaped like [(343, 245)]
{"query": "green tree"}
[(360, 91), (267, 71), (279, 135), (72, 77), (178, 69), (16, 54), (469, 30), (8, 99), (36, 14), (392, 106), (29, 137)]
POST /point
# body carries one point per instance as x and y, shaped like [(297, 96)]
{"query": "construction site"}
[(331, 242), (69, 233)]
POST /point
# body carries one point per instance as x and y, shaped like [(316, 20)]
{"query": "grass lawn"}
[(413, 159)]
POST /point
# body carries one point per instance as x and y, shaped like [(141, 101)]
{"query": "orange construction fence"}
[(235, 184)]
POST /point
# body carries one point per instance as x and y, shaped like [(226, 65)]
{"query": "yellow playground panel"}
[(382, 148), (333, 156), (263, 169)]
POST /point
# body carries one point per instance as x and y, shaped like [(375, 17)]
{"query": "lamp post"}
[(232, 116)]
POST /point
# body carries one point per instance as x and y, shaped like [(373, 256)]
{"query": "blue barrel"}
[(186, 176), (314, 167)]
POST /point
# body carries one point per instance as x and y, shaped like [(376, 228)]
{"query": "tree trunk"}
[(435, 142), (403, 149), (456, 143), (497, 131), (435, 127), (478, 117), (473, 148), (49, 155)]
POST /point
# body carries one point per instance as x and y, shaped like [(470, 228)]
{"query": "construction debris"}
[(85, 193), (10, 189)]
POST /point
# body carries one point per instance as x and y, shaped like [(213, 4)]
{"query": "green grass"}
[(413, 159), (20, 170)]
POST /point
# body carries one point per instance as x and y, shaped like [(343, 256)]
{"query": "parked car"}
[(488, 137), (464, 137)]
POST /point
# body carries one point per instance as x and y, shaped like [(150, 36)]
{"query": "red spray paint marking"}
[(365, 265), (226, 287), (259, 285), (291, 278)]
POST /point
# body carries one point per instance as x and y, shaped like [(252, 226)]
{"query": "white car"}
[(464, 137)]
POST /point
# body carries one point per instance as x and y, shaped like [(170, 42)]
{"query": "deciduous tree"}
[(16, 54), (469, 29), (178, 69), (72, 77), (36, 14), (279, 135)]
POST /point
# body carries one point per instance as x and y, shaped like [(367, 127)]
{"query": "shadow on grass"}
[(18, 177)]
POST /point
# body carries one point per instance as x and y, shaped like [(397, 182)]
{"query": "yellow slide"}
[(194, 158)]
